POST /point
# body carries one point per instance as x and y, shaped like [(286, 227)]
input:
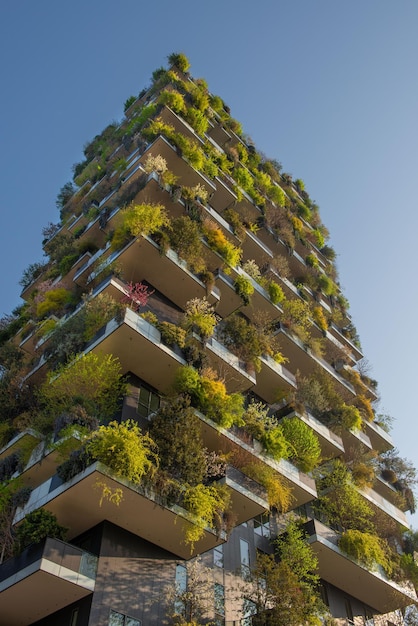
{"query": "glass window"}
[(249, 609), (244, 550), (262, 525), (218, 556), (181, 588), (219, 600), (148, 401), (119, 619), (74, 617)]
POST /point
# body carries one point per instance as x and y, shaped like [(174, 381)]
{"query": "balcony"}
[(389, 493), (273, 380), (303, 359), (254, 248), (380, 438), (335, 331), (331, 444), (178, 165), (229, 366), (357, 440), (45, 578), (369, 586), (230, 301), (248, 498), (219, 439), (25, 439), (380, 503), (44, 460), (79, 505), (139, 347), (142, 260)]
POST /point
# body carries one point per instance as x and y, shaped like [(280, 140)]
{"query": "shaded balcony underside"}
[(79, 505), (368, 586)]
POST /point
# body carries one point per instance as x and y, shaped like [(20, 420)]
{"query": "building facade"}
[(190, 264)]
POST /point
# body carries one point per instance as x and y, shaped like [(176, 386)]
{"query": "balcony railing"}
[(64, 572)]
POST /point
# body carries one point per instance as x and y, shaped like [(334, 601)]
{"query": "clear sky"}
[(328, 88)]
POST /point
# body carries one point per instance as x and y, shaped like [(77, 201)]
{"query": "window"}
[(218, 556), (244, 550), (181, 588), (148, 401), (74, 617), (349, 611), (262, 525), (119, 619), (219, 604), (249, 609)]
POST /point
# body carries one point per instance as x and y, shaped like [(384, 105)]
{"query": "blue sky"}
[(328, 88)]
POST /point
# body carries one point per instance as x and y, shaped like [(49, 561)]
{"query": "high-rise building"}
[(189, 263)]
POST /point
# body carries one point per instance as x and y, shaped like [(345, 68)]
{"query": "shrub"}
[(327, 285), (197, 119), (185, 239), (304, 450), (210, 396), (139, 219), (36, 526), (276, 293), (172, 334), (54, 301), (207, 505), (199, 313), (279, 494), (92, 380), (366, 548), (244, 288), (128, 102), (179, 60), (275, 443), (218, 242), (123, 448), (172, 99)]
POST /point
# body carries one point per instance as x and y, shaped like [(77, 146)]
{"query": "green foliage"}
[(31, 273), (93, 380), (243, 339), (36, 526), (281, 597), (197, 120), (199, 315), (172, 99), (125, 449), (172, 334), (279, 493), (244, 288), (207, 505), (275, 443), (210, 397), (292, 548), (276, 293), (340, 503), (99, 311), (53, 302), (138, 219), (256, 419), (366, 548), (128, 102), (327, 285), (176, 432), (218, 242), (304, 451), (185, 239), (179, 60)]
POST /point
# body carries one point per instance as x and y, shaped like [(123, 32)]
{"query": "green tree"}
[(36, 526), (304, 449), (176, 431)]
